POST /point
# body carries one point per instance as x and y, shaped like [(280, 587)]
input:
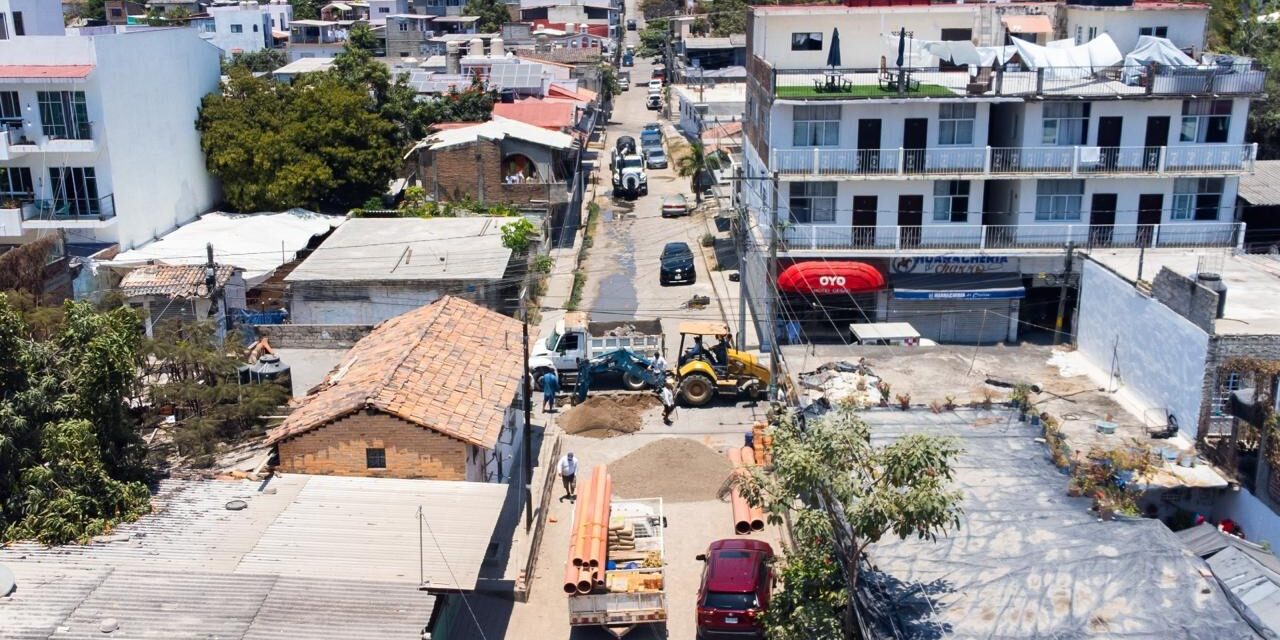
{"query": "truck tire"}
[(697, 390), (537, 378), (633, 382)]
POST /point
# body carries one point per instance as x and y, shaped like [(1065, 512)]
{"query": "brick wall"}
[(339, 450), (1187, 297), (313, 336)]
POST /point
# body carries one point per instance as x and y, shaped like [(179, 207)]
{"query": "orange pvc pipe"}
[(598, 539), (585, 583), (578, 541), (602, 545), (575, 542), (755, 515), (570, 578)]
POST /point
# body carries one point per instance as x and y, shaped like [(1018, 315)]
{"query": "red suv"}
[(737, 577)]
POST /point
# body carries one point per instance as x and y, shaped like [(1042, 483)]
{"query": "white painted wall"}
[(892, 122), (379, 10), (39, 17), (1159, 355), (1186, 24), (142, 98), (280, 14), (1259, 522), (253, 21), (300, 51), (375, 304), (1133, 130), (860, 30), (1127, 190)]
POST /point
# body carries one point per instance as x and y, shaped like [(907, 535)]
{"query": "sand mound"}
[(606, 416), (674, 469)]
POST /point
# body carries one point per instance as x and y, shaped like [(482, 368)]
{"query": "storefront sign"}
[(1011, 293), (955, 264)]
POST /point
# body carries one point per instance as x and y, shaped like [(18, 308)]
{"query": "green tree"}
[(192, 377), (492, 13), (697, 166), (727, 17), (306, 9), (609, 82), (653, 39), (71, 463), (92, 10), (652, 9), (901, 489), (260, 61), (317, 143), (1234, 28), (361, 36), (518, 235), (356, 67), (473, 104)]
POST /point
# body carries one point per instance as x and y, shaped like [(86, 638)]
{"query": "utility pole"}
[(527, 445), (211, 286), (740, 239), (772, 288), (1062, 297)]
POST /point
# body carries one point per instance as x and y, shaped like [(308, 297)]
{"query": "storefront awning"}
[(830, 277), (988, 286)]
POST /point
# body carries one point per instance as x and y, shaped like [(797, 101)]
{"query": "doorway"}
[(1102, 219), (869, 145), (1150, 210), (864, 221), (1157, 137), (915, 138), (911, 220), (1109, 139)]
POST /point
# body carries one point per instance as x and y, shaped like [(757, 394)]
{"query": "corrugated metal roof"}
[(318, 557), (1262, 187), (1252, 584)]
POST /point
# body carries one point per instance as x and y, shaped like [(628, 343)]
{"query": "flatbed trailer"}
[(620, 612)]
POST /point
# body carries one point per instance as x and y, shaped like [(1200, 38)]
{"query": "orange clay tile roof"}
[(43, 71), (548, 115), (176, 281), (451, 366)]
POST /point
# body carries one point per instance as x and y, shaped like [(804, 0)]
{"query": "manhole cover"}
[(237, 505)]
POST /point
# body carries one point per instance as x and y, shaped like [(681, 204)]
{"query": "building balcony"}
[(70, 213), (1061, 82), (932, 238), (1012, 162), (13, 141), (16, 140)]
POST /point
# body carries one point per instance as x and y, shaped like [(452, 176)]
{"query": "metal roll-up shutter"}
[(955, 321)]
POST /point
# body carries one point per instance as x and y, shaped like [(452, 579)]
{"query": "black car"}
[(677, 265)]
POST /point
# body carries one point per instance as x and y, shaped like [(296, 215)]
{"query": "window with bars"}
[(1159, 32), (375, 458), (1196, 198), (813, 202), (75, 190), (815, 126), (1059, 199), (64, 115), (1222, 396), (951, 201), (955, 123), (1065, 123), (1205, 120)]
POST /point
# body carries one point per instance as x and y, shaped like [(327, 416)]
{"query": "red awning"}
[(828, 277)]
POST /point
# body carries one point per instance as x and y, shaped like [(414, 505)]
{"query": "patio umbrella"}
[(833, 55), (902, 45)]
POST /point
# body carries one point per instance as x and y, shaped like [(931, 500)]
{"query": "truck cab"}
[(629, 177), (575, 339)]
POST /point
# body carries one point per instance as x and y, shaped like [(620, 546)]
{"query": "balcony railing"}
[(947, 237), (1136, 81), (1211, 159), (73, 209)]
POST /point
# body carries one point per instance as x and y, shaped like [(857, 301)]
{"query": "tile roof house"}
[(179, 292), (427, 394)]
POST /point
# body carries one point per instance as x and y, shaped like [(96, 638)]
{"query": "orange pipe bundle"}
[(755, 514), (589, 538), (741, 510), (572, 574), (598, 516), (601, 554)]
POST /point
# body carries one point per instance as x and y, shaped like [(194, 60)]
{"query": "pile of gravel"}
[(674, 469), (606, 416)]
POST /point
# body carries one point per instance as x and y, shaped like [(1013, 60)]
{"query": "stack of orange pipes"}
[(756, 513), (746, 518), (588, 540)]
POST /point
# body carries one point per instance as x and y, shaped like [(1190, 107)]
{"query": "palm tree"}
[(696, 165)]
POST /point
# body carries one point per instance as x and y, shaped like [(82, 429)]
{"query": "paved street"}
[(623, 284)]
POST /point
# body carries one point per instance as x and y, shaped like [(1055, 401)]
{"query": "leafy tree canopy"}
[(71, 463), (317, 143), (492, 13), (1234, 28), (653, 39), (260, 61), (306, 9), (727, 17)]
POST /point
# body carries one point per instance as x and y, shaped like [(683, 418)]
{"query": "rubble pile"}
[(841, 382)]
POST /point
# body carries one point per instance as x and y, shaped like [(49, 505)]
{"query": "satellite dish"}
[(7, 582)]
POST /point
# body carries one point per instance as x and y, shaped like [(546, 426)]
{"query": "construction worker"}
[(668, 403), (569, 476), (659, 366), (550, 386)]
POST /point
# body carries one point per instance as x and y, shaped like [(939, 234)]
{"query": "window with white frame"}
[(237, 28), (1065, 123), (15, 182), (10, 109), (813, 202), (1158, 32), (951, 201), (1205, 120), (816, 126), (1196, 198), (1222, 398), (955, 123), (1059, 199)]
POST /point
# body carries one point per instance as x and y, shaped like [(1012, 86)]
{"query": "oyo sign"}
[(832, 281)]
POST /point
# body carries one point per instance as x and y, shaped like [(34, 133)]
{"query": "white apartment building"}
[(20, 18), (246, 27), (380, 10), (315, 39), (98, 135), (963, 176)]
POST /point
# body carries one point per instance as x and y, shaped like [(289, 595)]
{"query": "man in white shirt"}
[(668, 404), (659, 365), (569, 476)]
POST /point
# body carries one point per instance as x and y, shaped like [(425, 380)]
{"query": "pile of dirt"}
[(606, 416), (674, 469)]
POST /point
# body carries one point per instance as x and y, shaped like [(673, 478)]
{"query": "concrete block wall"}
[(1188, 298), (313, 336), (338, 449)]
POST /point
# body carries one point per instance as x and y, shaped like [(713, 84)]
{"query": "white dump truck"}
[(575, 339), (635, 586)]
